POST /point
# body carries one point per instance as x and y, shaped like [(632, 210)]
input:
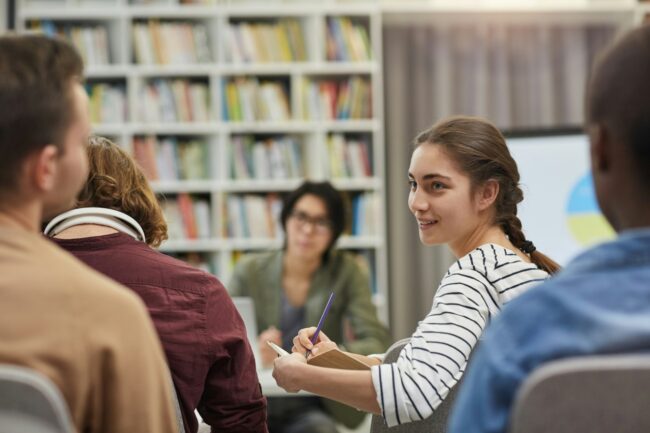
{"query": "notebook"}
[(336, 358)]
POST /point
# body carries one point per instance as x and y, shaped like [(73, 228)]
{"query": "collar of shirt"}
[(630, 249)]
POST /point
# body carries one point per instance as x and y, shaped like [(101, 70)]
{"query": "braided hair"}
[(481, 152)]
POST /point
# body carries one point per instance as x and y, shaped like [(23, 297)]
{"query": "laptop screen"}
[(246, 309)]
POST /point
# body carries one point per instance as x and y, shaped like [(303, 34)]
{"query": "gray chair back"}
[(595, 394), (177, 408), (436, 423), (31, 403)]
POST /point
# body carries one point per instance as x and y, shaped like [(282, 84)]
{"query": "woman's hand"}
[(267, 354), (302, 342), (286, 374)]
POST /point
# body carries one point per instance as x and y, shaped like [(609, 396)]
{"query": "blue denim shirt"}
[(600, 303)]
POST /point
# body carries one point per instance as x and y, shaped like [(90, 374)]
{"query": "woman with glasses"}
[(290, 288)]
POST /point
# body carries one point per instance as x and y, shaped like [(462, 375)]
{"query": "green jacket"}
[(260, 277)]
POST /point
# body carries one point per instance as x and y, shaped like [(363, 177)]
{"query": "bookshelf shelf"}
[(549, 6), (255, 185), (302, 68), (70, 14), (195, 245), (190, 186), (171, 77), (259, 244), (643, 13), (171, 11), (107, 71), (347, 184), (174, 128), (189, 70)]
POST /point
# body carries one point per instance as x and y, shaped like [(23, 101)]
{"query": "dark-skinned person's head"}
[(618, 124)]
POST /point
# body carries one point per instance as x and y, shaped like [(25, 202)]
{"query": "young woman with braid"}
[(463, 193)]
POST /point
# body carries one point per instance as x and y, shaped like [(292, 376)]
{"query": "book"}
[(336, 358), (333, 358)]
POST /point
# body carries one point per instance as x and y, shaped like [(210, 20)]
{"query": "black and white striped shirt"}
[(474, 289)]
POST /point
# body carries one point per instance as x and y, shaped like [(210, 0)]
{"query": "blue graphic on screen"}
[(586, 223)]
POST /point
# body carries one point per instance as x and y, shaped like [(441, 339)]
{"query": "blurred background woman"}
[(290, 288)]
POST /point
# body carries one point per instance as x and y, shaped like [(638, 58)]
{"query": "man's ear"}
[(487, 194), (43, 168), (599, 148)]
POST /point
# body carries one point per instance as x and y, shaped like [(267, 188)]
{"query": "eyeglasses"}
[(320, 225)]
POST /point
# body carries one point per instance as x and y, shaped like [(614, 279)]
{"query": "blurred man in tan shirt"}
[(90, 336)]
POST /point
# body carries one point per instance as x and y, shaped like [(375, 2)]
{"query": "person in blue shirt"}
[(600, 303)]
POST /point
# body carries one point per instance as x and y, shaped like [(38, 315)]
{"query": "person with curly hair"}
[(113, 229)]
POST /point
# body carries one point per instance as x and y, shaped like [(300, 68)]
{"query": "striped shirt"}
[(474, 289)]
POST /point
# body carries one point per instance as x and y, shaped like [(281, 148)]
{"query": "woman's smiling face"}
[(441, 197)]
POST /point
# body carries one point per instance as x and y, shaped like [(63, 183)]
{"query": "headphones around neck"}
[(95, 215)]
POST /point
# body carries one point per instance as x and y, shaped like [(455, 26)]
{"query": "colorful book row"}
[(170, 42), (346, 157), (365, 208), (171, 158), (347, 40), (107, 102), (337, 99), (250, 157), (279, 41), (91, 40), (174, 100), (187, 217), (271, 158), (253, 216), (177, 42), (253, 99)]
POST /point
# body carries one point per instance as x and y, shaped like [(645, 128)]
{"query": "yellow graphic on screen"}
[(586, 223)]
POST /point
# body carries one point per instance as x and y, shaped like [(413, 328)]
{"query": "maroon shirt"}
[(203, 336)]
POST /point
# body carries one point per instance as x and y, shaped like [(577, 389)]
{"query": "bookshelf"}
[(4, 15), (228, 106), (643, 12), (135, 65)]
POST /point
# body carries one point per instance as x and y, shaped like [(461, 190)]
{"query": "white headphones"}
[(95, 215)]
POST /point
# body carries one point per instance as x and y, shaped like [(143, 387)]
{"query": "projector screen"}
[(559, 212)]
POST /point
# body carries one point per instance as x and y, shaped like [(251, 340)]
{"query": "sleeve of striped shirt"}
[(435, 358)]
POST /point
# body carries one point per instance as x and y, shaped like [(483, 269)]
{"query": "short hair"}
[(115, 181), (616, 100), (334, 204), (36, 99)]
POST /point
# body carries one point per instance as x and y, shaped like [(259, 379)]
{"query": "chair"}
[(180, 425), (31, 403), (595, 394), (436, 423)]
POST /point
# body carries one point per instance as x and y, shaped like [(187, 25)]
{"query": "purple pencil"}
[(314, 338)]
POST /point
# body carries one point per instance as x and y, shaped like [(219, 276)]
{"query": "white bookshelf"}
[(643, 13), (119, 18), (3, 16), (531, 12)]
